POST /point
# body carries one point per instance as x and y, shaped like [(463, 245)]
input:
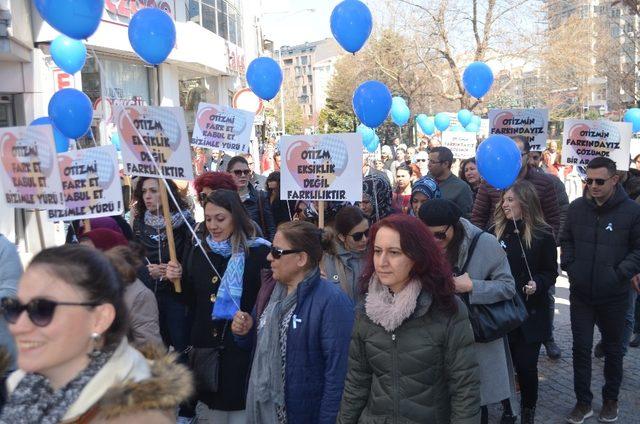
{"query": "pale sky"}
[(289, 22)]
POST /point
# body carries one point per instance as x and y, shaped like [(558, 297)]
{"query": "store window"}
[(125, 83), (7, 112), (222, 17), (194, 89)]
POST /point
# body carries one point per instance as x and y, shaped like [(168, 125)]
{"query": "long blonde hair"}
[(532, 217)]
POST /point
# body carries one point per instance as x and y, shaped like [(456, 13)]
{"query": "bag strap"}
[(472, 248)]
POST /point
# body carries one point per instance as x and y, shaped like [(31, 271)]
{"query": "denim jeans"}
[(610, 318), (630, 319)]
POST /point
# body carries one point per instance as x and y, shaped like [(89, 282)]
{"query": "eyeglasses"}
[(598, 181), (40, 311), (277, 253), (421, 160), (202, 197), (441, 235), (241, 172), (358, 236)]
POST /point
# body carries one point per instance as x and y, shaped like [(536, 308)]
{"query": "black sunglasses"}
[(277, 253), (441, 235), (598, 181), (241, 172), (202, 197), (40, 311), (421, 160), (358, 236)]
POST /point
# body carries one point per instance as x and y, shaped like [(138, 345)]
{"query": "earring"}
[(95, 340)]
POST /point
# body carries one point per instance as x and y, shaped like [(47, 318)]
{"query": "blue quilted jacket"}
[(317, 352)]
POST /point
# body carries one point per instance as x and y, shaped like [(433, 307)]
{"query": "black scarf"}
[(35, 401)]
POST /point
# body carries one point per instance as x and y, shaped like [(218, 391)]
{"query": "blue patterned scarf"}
[(230, 291)]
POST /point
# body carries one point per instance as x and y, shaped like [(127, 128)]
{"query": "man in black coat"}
[(256, 202), (601, 254)]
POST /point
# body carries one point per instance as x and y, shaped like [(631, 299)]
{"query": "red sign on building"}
[(127, 8)]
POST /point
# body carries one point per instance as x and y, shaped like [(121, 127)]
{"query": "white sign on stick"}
[(91, 184), (321, 167), (584, 140), (151, 136)]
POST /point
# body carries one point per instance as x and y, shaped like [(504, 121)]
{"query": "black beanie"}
[(439, 212)]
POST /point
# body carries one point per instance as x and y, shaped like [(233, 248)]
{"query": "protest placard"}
[(531, 124), (461, 143), (321, 167), (90, 183), (154, 134), (222, 128), (584, 140), (30, 174)]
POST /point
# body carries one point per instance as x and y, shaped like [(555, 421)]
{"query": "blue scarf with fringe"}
[(230, 291)]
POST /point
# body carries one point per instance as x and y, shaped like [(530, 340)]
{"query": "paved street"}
[(556, 396)]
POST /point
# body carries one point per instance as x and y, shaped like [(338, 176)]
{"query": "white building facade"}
[(215, 41)]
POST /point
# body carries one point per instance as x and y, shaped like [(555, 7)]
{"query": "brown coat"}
[(489, 197)]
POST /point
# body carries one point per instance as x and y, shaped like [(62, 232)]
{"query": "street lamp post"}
[(281, 92)]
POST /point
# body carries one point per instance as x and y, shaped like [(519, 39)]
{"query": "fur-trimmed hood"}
[(129, 385)]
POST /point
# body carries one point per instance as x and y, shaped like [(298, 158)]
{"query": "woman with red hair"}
[(210, 181), (411, 357)]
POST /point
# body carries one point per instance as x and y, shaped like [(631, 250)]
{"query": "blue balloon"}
[(400, 112), (472, 127), (115, 140), (68, 54), (351, 24), (78, 19), (442, 121), (152, 34), (372, 146), (499, 161), (477, 79), (367, 134), (464, 117), (71, 112), (633, 115), (62, 142), (264, 77), (371, 103)]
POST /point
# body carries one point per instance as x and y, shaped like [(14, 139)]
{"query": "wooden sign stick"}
[(321, 214), (87, 225), (164, 198)]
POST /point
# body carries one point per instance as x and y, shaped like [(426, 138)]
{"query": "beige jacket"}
[(129, 389)]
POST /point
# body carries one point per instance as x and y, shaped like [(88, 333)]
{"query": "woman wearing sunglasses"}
[(300, 357), (150, 230), (69, 321), (255, 201), (218, 284), (487, 279), (411, 358), (342, 262), (521, 230)]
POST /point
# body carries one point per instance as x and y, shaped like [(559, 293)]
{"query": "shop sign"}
[(128, 8), (62, 80)]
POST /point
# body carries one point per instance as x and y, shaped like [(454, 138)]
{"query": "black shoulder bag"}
[(493, 321)]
